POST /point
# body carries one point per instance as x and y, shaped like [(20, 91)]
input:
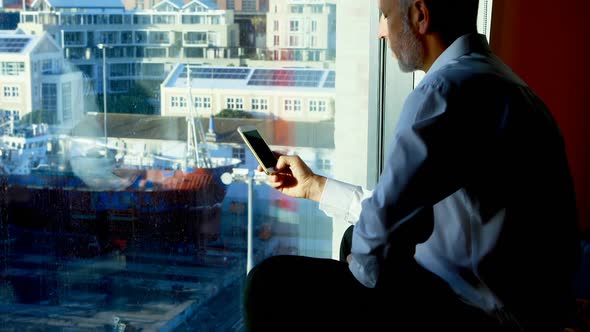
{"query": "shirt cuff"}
[(337, 198), (367, 277)]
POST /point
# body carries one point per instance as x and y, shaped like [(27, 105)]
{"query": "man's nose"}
[(382, 31)]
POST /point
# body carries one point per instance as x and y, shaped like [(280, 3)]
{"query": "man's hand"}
[(294, 178)]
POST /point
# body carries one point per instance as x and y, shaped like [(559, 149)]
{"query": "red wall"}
[(547, 43)]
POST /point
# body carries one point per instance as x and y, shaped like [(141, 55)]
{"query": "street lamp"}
[(243, 175), (104, 47)]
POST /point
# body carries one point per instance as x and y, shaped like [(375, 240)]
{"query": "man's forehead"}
[(385, 4)]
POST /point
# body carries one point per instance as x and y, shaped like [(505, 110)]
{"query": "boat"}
[(86, 188)]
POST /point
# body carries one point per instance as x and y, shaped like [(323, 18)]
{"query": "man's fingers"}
[(286, 161)]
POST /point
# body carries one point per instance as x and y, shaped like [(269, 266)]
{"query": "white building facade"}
[(293, 94), (301, 30), (142, 44), (33, 77)]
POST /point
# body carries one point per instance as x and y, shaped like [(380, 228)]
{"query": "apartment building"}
[(293, 94), (302, 30), (142, 45), (237, 6), (34, 77)]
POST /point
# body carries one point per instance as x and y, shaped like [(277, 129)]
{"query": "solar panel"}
[(217, 73), (13, 45), (330, 80), (286, 77)]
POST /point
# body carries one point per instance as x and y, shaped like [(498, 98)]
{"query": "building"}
[(295, 94), (34, 77), (238, 6), (302, 30), (143, 45)]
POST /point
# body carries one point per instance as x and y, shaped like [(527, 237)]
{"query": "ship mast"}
[(199, 153)]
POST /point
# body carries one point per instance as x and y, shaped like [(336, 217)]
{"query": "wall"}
[(547, 44)]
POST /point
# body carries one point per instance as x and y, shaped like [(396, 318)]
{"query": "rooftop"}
[(81, 3), (245, 78)]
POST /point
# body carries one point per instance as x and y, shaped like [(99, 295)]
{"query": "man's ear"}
[(420, 17)]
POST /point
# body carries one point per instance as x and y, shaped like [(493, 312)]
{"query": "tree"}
[(229, 113)]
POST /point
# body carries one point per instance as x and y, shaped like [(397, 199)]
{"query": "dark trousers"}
[(296, 293)]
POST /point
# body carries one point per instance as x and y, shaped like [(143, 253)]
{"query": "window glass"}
[(126, 192)]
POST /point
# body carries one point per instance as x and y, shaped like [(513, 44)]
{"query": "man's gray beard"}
[(411, 53)]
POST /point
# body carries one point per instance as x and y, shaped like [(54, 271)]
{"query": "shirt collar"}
[(469, 43)]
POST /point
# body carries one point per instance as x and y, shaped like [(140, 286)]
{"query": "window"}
[(294, 41), (317, 106), (7, 115), (234, 103), (66, 100), (313, 41), (195, 37), (239, 153), (314, 26), (175, 102), (182, 102), (296, 9), (203, 103), (160, 37), (259, 104), (127, 194), (47, 66), (317, 9), (11, 91), (49, 97), (292, 105), (323, 164), (11, 68)]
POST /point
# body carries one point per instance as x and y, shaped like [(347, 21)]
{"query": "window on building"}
[(314, 26), (202, 103), (297, 9), (313, 41), (294, 26), (12, 68), (66, 100), (276, 41), (234, 103), (11, 91), (47, 66), (323, 164), (317, 106), (275, 26), (8, 115), (239, 153), (195, 37), (292, 105), (160, 37), (49, 97), (317, 9), (294, 41), (175, 102), (259, 104)]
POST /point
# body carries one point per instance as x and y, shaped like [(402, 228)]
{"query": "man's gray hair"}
[(450, 18)]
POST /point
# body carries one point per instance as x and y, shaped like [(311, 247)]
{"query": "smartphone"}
[(259, 148)]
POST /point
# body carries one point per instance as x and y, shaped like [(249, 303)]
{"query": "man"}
[(472, 226)]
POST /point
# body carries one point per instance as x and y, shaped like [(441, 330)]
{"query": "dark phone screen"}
[(259, 145)]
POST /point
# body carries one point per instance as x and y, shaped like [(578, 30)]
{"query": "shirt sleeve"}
[(342, 201), (423, 165)]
